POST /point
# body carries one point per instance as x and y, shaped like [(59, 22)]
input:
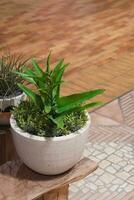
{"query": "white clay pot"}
[(12, 101), (53, 155), (7, 102)]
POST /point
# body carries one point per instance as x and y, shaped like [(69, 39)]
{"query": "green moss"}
[(31, 119)]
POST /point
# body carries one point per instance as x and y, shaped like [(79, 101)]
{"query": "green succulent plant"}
[(47, 95), (8, 79), (32, 120)]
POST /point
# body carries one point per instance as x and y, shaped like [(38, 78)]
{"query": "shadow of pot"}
[(5, 118)]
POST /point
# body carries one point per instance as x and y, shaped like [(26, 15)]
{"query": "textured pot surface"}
[(13, 101), (50, 155)]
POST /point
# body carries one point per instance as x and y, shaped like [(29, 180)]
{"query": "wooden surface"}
[(7, 149), (57, 194), (19, 182), (4, 118), (89, 34)]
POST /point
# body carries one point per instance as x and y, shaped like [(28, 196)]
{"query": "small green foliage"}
[(47, 96), (72, 122), (8, 79), (34, 121)]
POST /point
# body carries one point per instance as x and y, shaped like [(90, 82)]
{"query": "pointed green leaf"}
[(81, 108), (69, 102), (26, 77), (37, 68), (58, 121), (48, 63), (61, 72), (47, 109), (59, 79), (29, 72), (33, 96), (91, 105), (56, 89), (57, 69)]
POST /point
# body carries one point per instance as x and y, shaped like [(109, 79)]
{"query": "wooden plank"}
[(7, 149), (109, 39), (19, 182), (2, 149), (58, 194), (4, 118)]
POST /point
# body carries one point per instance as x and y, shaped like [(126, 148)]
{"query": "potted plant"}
[(10, 93), (50, 130)]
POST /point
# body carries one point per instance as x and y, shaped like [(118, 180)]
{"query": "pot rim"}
[(27, 135), (11, 98)]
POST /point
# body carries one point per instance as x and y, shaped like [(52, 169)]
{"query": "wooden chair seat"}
[(18, 182)]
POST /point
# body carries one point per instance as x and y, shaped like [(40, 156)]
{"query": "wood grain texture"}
[(4, 118), (2, 149), (57, 194), (7, 149), (19, 182), (89, 34)]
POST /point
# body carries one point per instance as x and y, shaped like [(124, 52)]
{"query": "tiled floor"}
[(111, 144), (95, 36)]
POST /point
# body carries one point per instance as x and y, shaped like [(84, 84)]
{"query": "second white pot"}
[(8, 102), (12, 101)]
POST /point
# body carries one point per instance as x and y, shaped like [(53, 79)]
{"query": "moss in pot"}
[(50, 130), (10, 93)]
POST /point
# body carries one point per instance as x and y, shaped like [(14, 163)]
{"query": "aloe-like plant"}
[(47, 95), (8, 79)]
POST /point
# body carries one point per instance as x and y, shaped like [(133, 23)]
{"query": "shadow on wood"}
[(7, 149)]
